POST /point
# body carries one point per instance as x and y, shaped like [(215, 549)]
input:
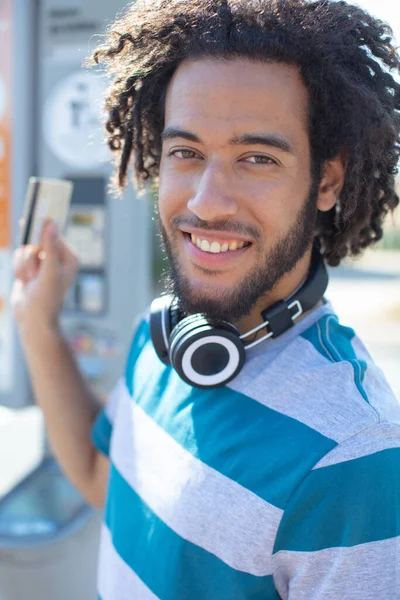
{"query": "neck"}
[(283, 289)]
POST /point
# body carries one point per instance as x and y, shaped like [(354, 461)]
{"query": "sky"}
[(387, 10)]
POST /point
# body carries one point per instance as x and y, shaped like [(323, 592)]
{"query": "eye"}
[(183, 153), (260, 159)]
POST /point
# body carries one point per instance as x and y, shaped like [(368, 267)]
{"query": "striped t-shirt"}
[(283, 484)]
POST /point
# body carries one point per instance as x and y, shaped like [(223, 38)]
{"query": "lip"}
[(209, 259)]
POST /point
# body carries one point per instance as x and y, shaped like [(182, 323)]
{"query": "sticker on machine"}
[(72, 121), (3, 97), (6, 325)]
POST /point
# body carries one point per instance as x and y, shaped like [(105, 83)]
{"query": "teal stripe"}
[(263, 450), (140, 339), (351, 503), (102, 428), (333, 341), (101, 433), (171, 567)]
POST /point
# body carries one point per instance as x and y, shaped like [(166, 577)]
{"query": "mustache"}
[(230, 227)]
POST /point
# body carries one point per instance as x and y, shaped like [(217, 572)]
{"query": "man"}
[(268, 126)]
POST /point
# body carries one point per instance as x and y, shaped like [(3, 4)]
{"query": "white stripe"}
[(365, 572), (302, 384), (111, 407), (377, 388), (198, 503), (382, 436), (321, 341), (116, 580), (340, 357)]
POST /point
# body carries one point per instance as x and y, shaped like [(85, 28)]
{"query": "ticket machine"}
[(51, 126), (57, 132)]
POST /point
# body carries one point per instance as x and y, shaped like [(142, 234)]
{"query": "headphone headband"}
[(207, 353), (282, 315)]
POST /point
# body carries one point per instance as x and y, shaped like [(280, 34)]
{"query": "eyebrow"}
[(247, 139)]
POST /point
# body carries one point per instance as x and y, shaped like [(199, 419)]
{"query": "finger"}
[(50, 255), (16, 293), (68, 255), (55, 245), (57, 258), (26, 262), (48, 233), (18, 259)]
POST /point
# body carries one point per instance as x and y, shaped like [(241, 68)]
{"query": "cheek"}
[(269, 202), (275, 205), (167, 204), (173, 195), (165, 195)]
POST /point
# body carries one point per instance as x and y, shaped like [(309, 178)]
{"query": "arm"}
[(69, 409), (68, 406), (339, 537)]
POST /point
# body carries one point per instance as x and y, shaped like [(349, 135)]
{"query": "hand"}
[(43, 276)]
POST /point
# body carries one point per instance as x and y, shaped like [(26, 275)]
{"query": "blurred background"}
[(50, 126)]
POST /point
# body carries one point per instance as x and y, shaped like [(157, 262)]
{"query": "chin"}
[(215, 302), (198, 294)]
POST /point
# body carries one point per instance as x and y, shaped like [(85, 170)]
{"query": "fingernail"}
[(53, 229)]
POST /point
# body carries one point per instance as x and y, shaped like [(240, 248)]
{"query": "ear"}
[(332, 182)]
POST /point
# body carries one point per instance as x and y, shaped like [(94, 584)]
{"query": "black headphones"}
[(209, 354)]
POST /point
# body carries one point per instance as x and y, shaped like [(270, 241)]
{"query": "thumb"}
[(49, 243)]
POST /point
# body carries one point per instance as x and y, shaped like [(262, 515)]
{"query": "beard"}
[(237, 302)]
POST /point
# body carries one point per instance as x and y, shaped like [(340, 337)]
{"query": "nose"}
[(213, 198)]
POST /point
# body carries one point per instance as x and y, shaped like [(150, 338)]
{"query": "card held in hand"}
[(45, 199)]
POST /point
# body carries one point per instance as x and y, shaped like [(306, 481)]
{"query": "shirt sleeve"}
[(339, 537)]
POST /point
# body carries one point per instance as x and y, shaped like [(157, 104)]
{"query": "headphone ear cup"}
[(161, 315), (174, 315), (206, 354)]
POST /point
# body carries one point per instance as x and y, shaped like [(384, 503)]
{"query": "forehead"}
[(236, 95)]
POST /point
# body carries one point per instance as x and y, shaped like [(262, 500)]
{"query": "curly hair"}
[(348, 64)]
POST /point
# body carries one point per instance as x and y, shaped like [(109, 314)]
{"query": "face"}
[(237, 204)]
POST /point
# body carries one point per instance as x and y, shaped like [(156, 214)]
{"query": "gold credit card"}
[(45, 199)]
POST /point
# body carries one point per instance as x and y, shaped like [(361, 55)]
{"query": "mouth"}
[(216, 246), (213, 249)]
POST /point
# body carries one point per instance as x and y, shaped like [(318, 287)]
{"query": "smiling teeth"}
[(216, 247)]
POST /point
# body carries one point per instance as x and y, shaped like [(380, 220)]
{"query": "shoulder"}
[(323, 377), (350, 367)]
